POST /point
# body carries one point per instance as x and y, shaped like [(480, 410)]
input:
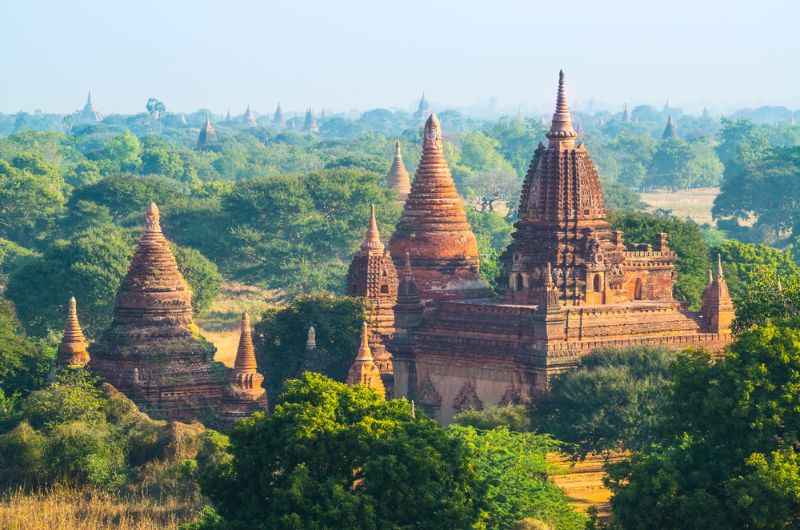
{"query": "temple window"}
[(520, 283), (598, 283)]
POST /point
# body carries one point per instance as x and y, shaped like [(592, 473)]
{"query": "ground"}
[(695, 204)]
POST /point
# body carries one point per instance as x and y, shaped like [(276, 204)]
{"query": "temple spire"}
[(561, 131), (670, 131), (398, 178), (245, 362), (72, 350), (372, 237), (364, 353), (364, 371)]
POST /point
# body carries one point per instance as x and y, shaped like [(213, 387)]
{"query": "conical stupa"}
[(152, 351), (398, 178), (207, 136), (670, 131), (434, 231), (244, 393), (249, 119), (72, 350), (363, 371)]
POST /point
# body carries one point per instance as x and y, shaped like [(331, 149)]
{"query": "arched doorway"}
[(637, 289), (520, 282), (598, 283)]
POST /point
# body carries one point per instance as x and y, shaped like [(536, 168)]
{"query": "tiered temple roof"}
[(72, 350), (434, 231), (207, 136), (562, 217), (670, 131), (372, 276), (151, 352), (364, 371), (398, 178)]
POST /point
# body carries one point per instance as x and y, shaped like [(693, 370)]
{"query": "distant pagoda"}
[(626, 116), (249, 119), (310, 124), (207, 136), (398, 178), (364, 371), (279, 119), (423, 108), (152, 351), (670, 131), (88, 112)]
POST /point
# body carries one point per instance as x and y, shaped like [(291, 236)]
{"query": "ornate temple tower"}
[(249, 119), (562, 222), (364, 370), (207, 136), (279, 119), (88, 112), (670, 131), (310, 124), (423, 109), (434, 230), (72, 350), (152, 351), (398, 178), (243, 393), (717, 307), (372, 276)]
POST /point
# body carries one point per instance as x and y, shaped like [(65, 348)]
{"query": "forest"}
[(708, 441)]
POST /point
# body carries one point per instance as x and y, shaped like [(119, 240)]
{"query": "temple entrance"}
[(520, 283), (637, 289), (598, 283)]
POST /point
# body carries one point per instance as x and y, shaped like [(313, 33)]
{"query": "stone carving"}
[(467, 398)]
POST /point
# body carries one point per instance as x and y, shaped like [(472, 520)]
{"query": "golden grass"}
[(582, 481), (695, 204), (65, 508)]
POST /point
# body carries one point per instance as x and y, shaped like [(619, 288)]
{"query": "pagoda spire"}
[(249, 118), (561, 132), (670, 131), (626, 115), (717, 307), (398, 178), (372, 237), (72, 350), (245, 362), (207, 136), (364, 371)]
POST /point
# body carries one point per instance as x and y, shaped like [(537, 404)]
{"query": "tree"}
[(201, 274), (282, 332), (156, 108), (335, 456), (23, 364), (31, 197), (122, 153), (726, 457), (610, 402)]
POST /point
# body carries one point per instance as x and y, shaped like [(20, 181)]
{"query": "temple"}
[(152, 351), (423, 108), (670, 131), (88, 112), (310, 123), (364, 371), (626, 116), (373, 277), (573, 285), (279, 119), (249, 119), (207, 136), (243, 392), (72, 350), (398, 178)]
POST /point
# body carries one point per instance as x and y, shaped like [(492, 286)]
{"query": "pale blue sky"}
[(364, 54)]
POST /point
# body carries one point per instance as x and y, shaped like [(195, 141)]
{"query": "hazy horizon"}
[(362, 55)]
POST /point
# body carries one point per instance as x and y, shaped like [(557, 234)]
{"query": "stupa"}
[(364, 371), (72, 350), (398, 178), (279, 119), (310, 123), (670, 131), (207, 136), (249, 119), (243, 393), (152, 351), (434, 231)]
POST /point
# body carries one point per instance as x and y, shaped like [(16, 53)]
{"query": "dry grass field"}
[(583, 482), (695, 204), (70, 509), (220, 325)]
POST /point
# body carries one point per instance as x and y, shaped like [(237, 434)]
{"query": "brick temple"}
[(154, 353), (573, 285)]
